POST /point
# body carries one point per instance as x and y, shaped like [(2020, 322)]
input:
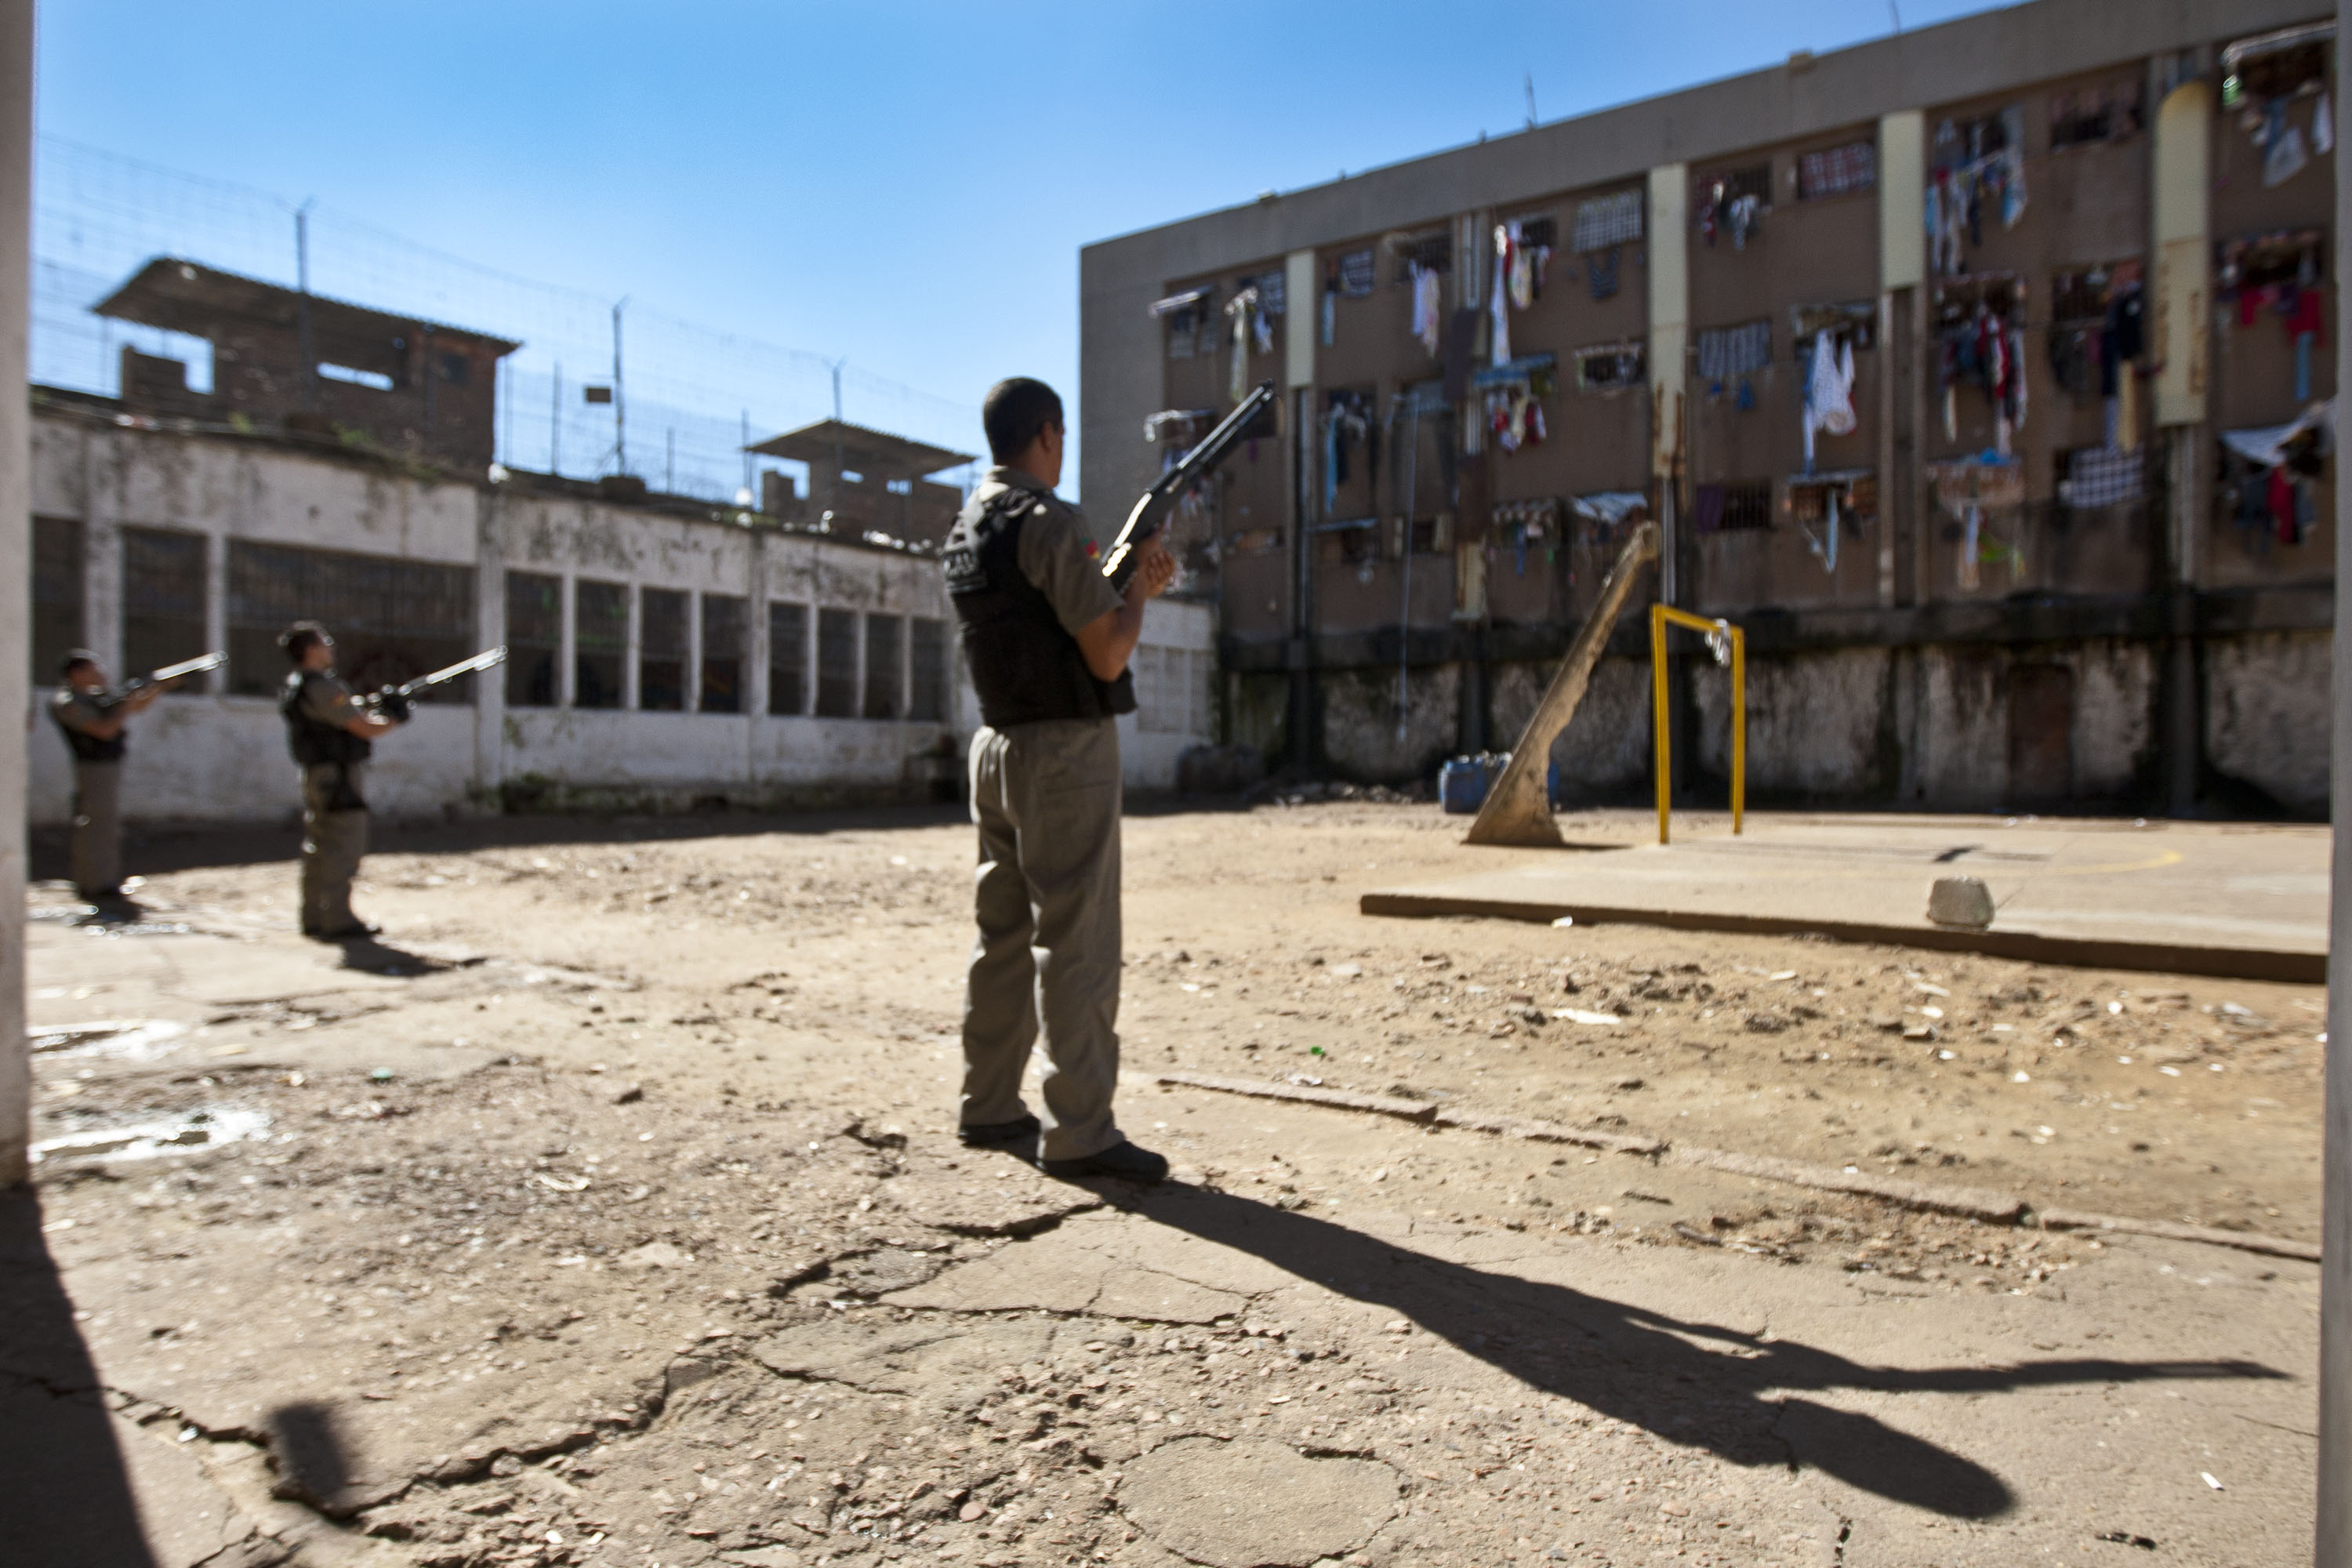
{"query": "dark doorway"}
[(2041, 733)]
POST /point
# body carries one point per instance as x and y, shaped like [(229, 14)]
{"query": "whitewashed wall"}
[(204, 758)]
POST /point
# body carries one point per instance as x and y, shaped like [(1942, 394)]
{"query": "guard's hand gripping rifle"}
[(1150, 514), (393, 702), (170, 672)]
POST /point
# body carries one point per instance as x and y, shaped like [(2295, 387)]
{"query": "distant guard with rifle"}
[(93, 720), (330, 731), (1047, 635)]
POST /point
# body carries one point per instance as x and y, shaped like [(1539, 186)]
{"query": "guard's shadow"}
[(1737, 1395), (66, 1501), (365, 953)]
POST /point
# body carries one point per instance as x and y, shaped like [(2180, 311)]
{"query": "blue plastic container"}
[(1463, 784)]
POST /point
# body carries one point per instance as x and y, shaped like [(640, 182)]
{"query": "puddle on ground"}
[(206, 1127), (119, 1039)]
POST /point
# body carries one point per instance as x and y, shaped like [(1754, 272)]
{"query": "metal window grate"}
[(787, 658), (58, 580), (885, 670), (927, 670), (534, 639), (725, 621), (600, 641), (836, 664), (164, 579), (661, 649)]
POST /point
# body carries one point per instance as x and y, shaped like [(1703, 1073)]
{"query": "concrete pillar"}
[(491, 629), (1902, 266), (15, 590), (1303, 309), (2331, 1544), (1669, 245), (2180, 337)]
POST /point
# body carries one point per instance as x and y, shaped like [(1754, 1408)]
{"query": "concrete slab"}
[(2241, 900)]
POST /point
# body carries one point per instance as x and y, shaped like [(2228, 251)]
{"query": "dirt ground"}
[(608, 1212)]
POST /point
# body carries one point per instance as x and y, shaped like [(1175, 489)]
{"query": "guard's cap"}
[(74, 655)]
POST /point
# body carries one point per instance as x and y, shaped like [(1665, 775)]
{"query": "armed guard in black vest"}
[(93, 721), (1046, 639), (331, 734)]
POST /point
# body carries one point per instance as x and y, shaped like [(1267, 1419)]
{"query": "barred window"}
[(600, 642), (926, 670), (787, 658), (661, 650), (164, 582), (1723, 509), (836, 664), (884, 670), (534, 638), (57, 584), (1837, 171), (724, 623), (392, 620)]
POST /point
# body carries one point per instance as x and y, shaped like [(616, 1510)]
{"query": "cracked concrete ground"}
[(607, 1215)]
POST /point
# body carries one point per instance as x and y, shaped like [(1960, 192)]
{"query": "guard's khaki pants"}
[(332, 843), (98, 829), (1045, 798)]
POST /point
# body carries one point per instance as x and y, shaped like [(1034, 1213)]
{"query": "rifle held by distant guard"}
[(170, 672), (394, 701), (1150, 514)]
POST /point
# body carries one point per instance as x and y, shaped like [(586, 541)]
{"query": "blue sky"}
[(903, 186)]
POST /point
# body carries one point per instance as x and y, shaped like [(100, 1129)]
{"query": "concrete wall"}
[(218, 758)]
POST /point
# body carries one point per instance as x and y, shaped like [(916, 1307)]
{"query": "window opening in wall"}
[(1980, 342), (1185, 315), (787, 660), (1828, 508), (2277, 276), (1605, 222), (724, 621), (1431, 535), (836, 664), (1853, 321), (600, 642), (1429, 252), (1726, 508), (1976, 169), (163, 582), (1733, 202), (1983, 501), (456, 369), (927, 670), (1609, 367), (1729, 356), (534, 639), (1837, 171), (1528, 526), (885, 670), (2090, 115), (661, 650), (1356, 273), (2094, 339), (2273, 66), (392, 619), (58, 585)]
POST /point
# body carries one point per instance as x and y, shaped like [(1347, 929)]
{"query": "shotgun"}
[(1150, 514)]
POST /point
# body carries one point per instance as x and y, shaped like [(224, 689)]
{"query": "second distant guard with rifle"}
[(332, 732), (93, 717)]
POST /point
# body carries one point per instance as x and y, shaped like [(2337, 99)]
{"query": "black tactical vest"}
[(311, 742), (87, 748), (1024, 666)]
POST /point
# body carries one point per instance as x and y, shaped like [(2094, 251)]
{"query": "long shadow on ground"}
[(67, 1498), (1735, 1393)]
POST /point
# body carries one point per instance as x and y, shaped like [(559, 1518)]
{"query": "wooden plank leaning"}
[(1519, 808)]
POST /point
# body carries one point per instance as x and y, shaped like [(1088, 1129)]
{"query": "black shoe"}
[(1122, 1160), (359, 932), (996, 1134)]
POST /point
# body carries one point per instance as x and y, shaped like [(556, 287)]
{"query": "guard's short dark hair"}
[(1016, 410), (300, 639), (74, 658)]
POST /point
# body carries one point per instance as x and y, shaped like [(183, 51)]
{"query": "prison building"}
[(311, 367), (863, 482), (664, 655), (1982, 373)]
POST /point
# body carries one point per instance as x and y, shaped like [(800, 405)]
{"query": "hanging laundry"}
[(1602, 272), (1828, 392), (2323, 127), (1967, 578), (1428, 315), (2286, 157), (1242, 309), (1498, 303), (2104, 476)]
